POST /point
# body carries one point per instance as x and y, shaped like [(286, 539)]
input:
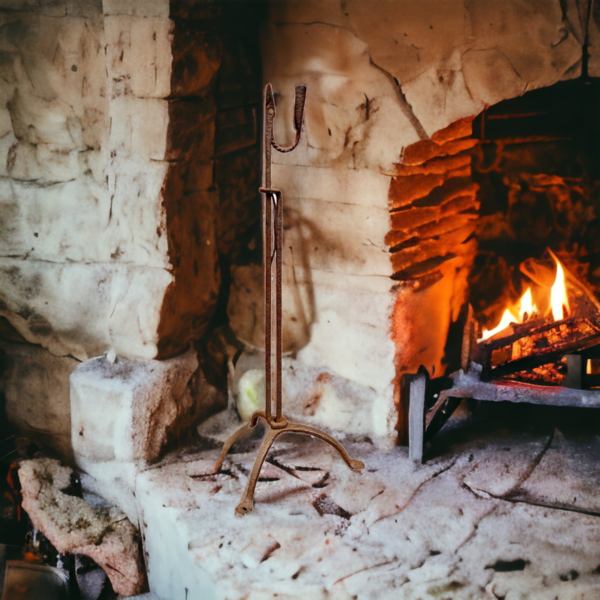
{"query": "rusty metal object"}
[(273, 252), (279, 427)]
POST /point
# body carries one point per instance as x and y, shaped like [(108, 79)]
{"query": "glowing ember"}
[(558, 294)]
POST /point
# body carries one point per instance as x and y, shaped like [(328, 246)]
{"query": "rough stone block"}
[(453, 59), (112, 480), (84, 309), (139, 127), (147, 8), (139, 55), (353, 117), (127, 223), (36, 121), (331, 236), (321, 531), (30, 162), (85, 132), (318, 396), (124, 414), (73, 526), (450, 99), (326, 317), (82, 8), (364, 187), (122, 223), (136, 223), (125, 411), (350, 338), (34, 227), (36, 392), (57, 67), (246, 308)]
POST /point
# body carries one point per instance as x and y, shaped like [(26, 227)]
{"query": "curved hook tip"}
[(269, 97)]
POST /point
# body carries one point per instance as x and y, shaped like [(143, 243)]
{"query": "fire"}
[(527, 307), (559, 305), (505, 321), (558, 294)]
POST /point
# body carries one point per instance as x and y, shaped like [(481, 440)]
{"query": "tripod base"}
[(277, 427)]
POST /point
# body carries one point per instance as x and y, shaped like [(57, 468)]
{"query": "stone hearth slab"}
[(546, 470), (568, 475), (319, 530)]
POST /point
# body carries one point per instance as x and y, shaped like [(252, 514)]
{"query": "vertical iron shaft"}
[(278, 298), (273, 236), (268, 253)]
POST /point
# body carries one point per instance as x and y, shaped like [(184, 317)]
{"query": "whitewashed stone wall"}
[(108, 208), (87, 142), (381, 75)]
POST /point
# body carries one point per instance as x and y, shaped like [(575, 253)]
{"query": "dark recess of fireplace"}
[(538, 168)]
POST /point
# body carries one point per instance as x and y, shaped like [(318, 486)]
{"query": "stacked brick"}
[(433, 203)]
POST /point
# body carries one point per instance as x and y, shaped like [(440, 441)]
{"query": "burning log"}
[(535, 350), (532, 345)]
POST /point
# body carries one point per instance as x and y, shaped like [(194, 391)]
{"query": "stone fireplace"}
[(445, 144)]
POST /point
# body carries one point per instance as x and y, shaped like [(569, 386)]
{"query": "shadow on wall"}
[(246, 300)]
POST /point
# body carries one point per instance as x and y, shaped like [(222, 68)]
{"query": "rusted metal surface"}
[(29, 581), (416, 417), (279, 427), (507, 390), (273, 253)]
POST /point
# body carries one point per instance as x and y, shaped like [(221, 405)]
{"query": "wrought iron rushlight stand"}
[(273, 250)]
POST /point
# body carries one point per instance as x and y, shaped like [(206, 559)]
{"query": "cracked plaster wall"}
[(382, 75)]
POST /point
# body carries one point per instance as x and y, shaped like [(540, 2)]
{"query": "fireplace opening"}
[(495, 227), (537, 168), (538, 257)]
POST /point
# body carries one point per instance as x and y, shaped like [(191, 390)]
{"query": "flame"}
[(505, 321), (527, 307), (559, 304), (558, 294)]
